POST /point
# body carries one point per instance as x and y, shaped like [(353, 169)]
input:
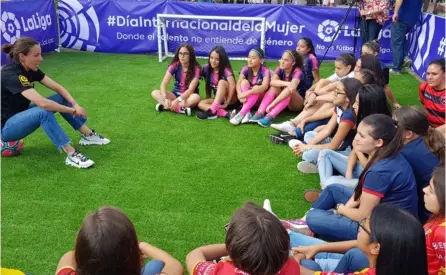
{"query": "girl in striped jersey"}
[(283, 91), (185, 70), (253, 82), (220, 83)]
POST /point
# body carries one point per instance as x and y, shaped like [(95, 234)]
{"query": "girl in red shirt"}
[(434, 200)]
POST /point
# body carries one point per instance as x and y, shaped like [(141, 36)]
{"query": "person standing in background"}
[(407, 14), (373, 15)]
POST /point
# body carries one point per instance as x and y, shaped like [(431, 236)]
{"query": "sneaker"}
[(246, 118), (236, 119), (293, 142), (406, 63), (281, 138), (298, 226), (307, 167), (186, 111), (266, 121), (231, 115), (77, 159), (93, 139), (394, 72), (311, 196), (267, 206), (206, 115), (159, 107), (256, 118), (286, 126)]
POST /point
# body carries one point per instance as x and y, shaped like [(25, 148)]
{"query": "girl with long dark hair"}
[(421, 142), (386, 178), (185, 70), (220, 84)]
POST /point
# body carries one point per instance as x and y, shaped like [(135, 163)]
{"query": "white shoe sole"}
[(86, 143), (293, 143), (286, 128), (70, 163)]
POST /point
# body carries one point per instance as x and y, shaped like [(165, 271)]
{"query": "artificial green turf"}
[(178, 178)]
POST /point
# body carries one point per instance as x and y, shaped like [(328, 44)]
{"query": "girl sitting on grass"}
[(185, 70), (106, 244)]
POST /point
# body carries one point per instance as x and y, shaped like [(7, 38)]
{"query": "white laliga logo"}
[(327, 30), (79, 26), (10, 26)]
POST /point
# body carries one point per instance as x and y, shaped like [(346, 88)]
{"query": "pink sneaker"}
[(298, 226)]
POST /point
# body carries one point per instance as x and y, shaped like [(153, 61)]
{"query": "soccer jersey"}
[(291, 267), (345, 116), (176, 70), (393, 181), (258, 79), (414, 151), (366, 271), (15, 80), (296, 74), (435, 246), (215, 75), (434, 102), (310, 64)]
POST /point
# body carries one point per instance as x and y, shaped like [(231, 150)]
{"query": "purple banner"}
[(129, 26), (426, 43), (37, 20)]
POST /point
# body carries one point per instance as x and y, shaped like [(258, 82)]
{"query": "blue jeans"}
[(325, 223), (310, 126), (353, 260), (399, 43), (329, 160), (153, 267), (369, 30), (24, 123), (312, 154)]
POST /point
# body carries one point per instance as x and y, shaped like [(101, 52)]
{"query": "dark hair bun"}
[(6, 48)]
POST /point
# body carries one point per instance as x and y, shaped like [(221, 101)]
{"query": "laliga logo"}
[(421, 42), (327, 30), (79, 26), (10, 27)]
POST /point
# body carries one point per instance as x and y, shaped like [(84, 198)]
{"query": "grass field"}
[(178, 178)]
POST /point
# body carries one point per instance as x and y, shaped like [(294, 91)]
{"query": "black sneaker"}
[(281, 138), (206, 115), (159, 107)]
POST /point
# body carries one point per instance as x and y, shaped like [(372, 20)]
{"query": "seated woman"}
[(320, 93), (185, 70), (388, 240), (220, 83), (20, 119), (106, 244), (337, 135), (432, 95), (356, 259), (387, 178), (421, 142)]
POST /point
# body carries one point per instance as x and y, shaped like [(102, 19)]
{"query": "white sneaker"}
[(94, 139), (293, 143), (247, 118), (186, 111), (236, 119), (267, 206), (78, 160), (283, 127)]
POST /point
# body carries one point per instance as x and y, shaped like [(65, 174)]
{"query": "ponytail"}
[(415, 120), (386, 129)]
